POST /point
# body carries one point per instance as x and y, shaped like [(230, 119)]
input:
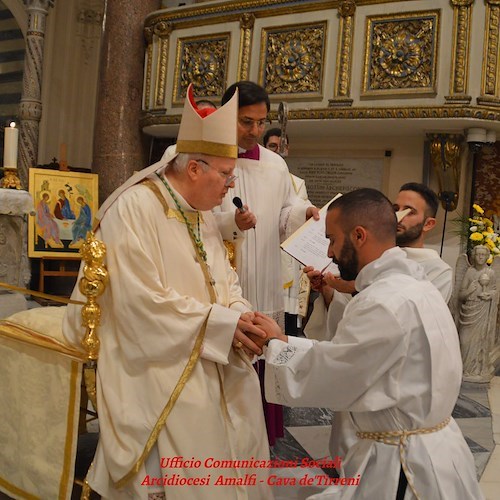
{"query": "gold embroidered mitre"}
[(212, 133)]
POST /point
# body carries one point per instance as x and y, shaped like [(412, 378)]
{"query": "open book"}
[(309, 244)]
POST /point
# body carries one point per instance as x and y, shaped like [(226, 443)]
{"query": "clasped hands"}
[(254, 330)]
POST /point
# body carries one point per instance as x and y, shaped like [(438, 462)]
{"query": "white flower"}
[(496, 250), (473, 229)]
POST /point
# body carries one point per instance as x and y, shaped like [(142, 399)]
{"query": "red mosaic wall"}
[(487, 180)]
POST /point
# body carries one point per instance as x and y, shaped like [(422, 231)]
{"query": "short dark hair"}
[(248, 93), (272, 132), (429, 196), (369, 208)]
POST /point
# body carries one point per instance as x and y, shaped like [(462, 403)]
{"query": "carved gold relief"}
[(460, 58), (489, 86), (247, 21), (445, 158), (148, 35), (401, 54), (161, 72), (156, 64), (201, 61), (231, 10), (484, 112), (342, 86), (291, 61)]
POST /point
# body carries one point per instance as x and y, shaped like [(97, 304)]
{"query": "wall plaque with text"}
[(325, 177)]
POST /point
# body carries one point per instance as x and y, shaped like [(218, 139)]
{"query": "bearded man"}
[(394, 365)]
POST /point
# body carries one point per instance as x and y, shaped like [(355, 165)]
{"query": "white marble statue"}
[(476, 295)]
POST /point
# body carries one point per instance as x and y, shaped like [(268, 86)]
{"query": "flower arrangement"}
[(480, 232)]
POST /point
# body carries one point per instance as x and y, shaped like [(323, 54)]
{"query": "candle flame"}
[(12, 124)]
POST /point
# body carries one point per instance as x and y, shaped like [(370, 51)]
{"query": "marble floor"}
[(307, 432)]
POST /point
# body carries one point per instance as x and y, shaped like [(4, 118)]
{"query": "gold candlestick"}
[(10, 179)]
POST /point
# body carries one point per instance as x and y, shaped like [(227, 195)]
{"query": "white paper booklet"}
[(309, 244)]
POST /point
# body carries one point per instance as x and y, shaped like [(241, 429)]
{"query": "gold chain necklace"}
[(197, 241)]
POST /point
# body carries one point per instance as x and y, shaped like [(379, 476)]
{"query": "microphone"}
[(239, 204)]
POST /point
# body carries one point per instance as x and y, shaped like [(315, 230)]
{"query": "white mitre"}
[(205, 131), (208, 131)]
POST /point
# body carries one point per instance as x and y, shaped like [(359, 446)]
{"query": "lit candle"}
[(10, 146)]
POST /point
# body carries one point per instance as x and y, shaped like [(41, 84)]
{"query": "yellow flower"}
[(478, 209), (490, 260), (475, 221), (487, 222), (489, 244), (489, 229), (476, 237)]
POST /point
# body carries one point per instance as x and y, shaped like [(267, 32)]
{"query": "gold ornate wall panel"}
[(148, 34), (342, 86), (331, 59), (162, 31), (490, 88), (247, 22), (156, 60), (292, 60), (471, 113), (461, 45), (202, 61), (401, 54)]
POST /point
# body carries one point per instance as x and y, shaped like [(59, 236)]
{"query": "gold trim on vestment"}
[(21, 333), (55, 298), (398, 438), (172, 213), (188, 369), (208, 148), (192, 217), (17, 491), (186, 373), (66, 478), (206, 273)]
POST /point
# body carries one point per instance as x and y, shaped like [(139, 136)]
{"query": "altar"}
[(15, 205)]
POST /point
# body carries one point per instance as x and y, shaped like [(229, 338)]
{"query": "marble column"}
[(30, 111), (119, 145)]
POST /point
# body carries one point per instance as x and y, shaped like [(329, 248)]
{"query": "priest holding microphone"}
[(268, 205)]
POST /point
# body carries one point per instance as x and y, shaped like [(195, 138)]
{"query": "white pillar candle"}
[(10, 146)]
